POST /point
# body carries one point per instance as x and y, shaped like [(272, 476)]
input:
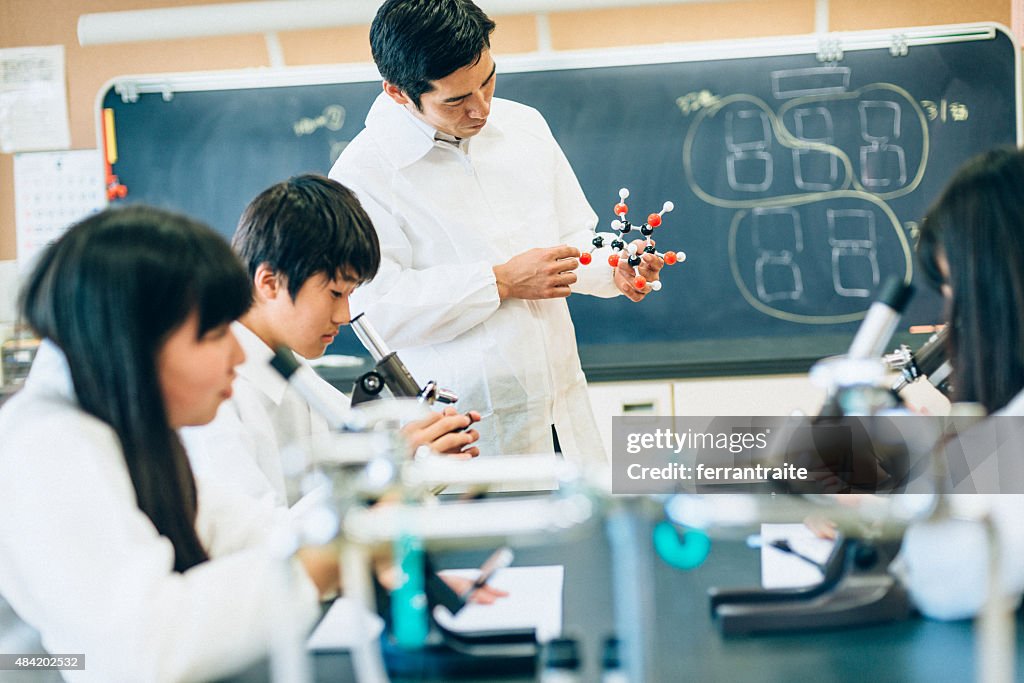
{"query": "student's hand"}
[(538, 273), (650, 267), (485, 595), (825, 481), (440, 431), (822, 526), (387, 575), (321, 563)]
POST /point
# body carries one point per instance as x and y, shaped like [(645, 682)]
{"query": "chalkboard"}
[(797, 182)]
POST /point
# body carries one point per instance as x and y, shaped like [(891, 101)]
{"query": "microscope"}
[(856, 587), (931, 361), (390, 372)]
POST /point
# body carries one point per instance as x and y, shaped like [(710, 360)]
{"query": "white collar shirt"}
[(462, 144), (263, 424), (1014, 408)]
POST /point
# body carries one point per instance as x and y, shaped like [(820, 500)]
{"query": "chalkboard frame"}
[(615, 361)]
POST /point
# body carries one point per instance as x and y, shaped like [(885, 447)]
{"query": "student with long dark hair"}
[(108, 545), (971, 248)]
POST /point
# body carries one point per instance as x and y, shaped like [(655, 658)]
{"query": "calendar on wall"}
[(52, 191)]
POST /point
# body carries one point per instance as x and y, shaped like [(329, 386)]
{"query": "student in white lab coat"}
[(108, 545), (481, 222), (971, 247), (307, 245)]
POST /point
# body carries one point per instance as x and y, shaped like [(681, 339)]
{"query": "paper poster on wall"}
[(33, 100), (52, 191)]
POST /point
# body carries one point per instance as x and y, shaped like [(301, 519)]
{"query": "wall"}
[(48, 22)]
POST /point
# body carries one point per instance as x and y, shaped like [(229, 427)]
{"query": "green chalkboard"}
[(798, 177)]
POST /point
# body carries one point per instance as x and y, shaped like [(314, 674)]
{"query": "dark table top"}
[(689, 646)]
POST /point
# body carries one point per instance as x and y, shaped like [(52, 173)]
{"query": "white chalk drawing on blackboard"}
[(891, 123)]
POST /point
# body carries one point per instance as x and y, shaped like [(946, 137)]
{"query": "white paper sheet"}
[(343, 627), (780, 569), (33, 100), (534, 601)]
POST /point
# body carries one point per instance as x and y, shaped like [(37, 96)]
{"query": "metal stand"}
[(633, 579), (390, 372), (356, 566), (994, 627)]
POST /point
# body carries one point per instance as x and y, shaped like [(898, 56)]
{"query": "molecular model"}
[(622, 226)]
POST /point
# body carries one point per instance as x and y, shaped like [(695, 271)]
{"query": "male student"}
[(307, 245), (481, 221)]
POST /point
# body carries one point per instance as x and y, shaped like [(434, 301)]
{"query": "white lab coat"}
[(446, 215), (242, 448), (81, 564), (944, 564)]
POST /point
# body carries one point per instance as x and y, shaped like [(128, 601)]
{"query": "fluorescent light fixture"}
[(200, 21), (270, 16)]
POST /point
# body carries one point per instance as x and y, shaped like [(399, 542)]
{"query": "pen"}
[(783, 545), (499, 559)]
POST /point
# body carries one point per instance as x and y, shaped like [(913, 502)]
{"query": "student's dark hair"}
[(977, 224), (304, 226), (109, 293), (417, 41)]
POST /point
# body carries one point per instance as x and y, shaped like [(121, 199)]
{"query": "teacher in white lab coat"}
[(481, 222)]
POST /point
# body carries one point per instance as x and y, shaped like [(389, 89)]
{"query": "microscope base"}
[(848, 596)]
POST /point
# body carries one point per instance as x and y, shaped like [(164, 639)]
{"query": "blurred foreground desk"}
[(690, 648)]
